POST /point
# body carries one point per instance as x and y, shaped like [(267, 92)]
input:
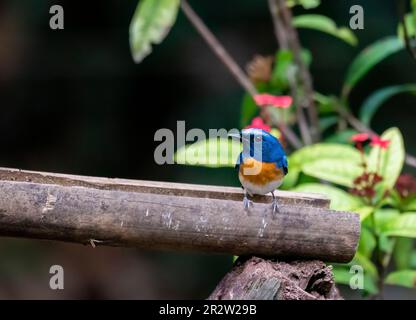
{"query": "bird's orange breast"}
[(259, 173)]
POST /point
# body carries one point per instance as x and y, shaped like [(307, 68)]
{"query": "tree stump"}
[(260, 279)]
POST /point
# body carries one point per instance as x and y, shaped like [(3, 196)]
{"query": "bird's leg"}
[(246, 201), (275, 205)]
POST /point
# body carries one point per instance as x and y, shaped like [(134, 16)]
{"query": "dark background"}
[(73, 101)]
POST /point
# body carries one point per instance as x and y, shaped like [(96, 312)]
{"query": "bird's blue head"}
[(262, 146)]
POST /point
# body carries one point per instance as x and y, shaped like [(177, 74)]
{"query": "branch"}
[(158, 215), (290, 135), (287, 38), (300, 116), (231, 65), (279, 31)]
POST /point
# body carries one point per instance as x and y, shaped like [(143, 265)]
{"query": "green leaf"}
[(283, 61), (291, 178), (151, 23), (410, 20), (285, 69), (405, 278), (367, 243), (325, 151), (380, 197), (340, 200), (376, 100), (402, 226), (403, 253), (326, 104), (306, 4), (384, 217), (386, 245), (364, 212), (413, 5), (388, 163), (326, 25), (366, 263), (395, 200), (342, 275), (340, 171), (306, 57), (213, 153), (368, 58), (301, 158), (409, 204), (413, 259)]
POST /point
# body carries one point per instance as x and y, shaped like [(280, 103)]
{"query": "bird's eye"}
[(258, 138)]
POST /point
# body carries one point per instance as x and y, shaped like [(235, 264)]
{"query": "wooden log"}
[(170, 216), (259, 279), (166, 188)]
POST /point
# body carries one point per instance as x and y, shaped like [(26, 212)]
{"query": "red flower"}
[(360, 137), (258, 123), (274, 101), (376, 141), (365, 185)]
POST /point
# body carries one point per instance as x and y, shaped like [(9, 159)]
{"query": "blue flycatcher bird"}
[(261, 165)]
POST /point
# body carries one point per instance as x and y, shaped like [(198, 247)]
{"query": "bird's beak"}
[(235, 135)]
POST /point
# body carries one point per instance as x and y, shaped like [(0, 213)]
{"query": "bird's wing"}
[(282, 164)]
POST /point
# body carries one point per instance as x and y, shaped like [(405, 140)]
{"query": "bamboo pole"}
[(157, 215)]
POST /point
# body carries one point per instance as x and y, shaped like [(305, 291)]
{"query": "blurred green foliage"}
[(99, 106)]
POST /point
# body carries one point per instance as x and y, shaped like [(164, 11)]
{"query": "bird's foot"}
[(247, 203), (275, 209)]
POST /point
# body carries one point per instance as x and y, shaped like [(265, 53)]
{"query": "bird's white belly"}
[(260, 189)]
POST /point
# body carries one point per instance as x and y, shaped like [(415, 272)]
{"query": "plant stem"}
[(290, 135), (303, 125), (233, 67), (282, 39), (279, 31), (287, 38)]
